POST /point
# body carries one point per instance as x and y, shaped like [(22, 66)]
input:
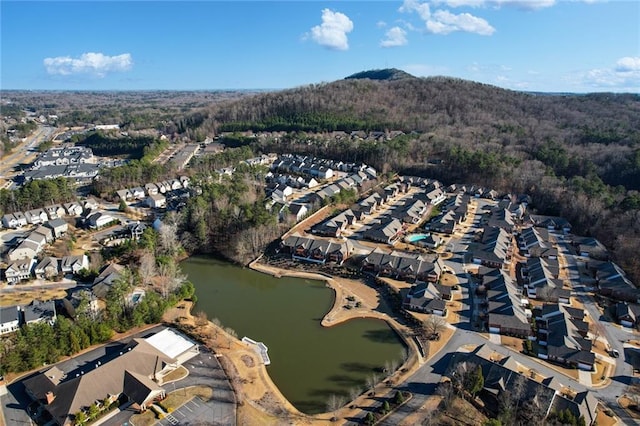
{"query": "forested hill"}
[(578, 155), (384, 74)]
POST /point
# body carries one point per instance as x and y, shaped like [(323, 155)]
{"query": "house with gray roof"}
[(428, 297), (36, 216), (403, 265), (73, 209), (46, 232), (494, 250), (627, 314), (562, 336), (385, 231), (135, 374), (19, 270), (25, 250), (316, 250), (504, 305), (38, 311), (58, 227), (9, 319), (47, 268), (55, 211), (500, 376), (74, 264)]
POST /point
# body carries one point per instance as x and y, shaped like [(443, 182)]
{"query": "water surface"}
[(308, 362)]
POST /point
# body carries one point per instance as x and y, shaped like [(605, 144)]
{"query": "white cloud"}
[(381, 24), (395, 37), (332, 33), (97, 64), (628, 64), (445, 22), (624, 75), (422, 9)]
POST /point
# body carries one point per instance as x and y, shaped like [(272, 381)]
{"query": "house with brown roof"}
[(135, 373)]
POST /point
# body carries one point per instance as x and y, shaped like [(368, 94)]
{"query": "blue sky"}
[(540, 45)]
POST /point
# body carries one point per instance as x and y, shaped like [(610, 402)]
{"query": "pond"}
[(308, 362)]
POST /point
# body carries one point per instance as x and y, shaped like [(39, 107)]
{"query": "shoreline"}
[(338, 315), (250, 378)]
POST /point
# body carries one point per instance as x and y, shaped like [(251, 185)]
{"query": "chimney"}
[(50, 397)]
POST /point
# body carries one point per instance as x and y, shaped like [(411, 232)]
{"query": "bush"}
[(370, 419)]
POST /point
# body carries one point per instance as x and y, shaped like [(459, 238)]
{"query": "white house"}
[(25, 250), (99, 219), (22, 220), (19, 270), (137, 193), (156, 201), (36, 216), (298, 210), (90, 204), (47, 268), (73, 209), (55, 211), (9, 319), (58, 227), (9, 221), (74, 264)]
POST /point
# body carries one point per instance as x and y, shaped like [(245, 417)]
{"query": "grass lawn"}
[(249, 415), (603, 420), (171, 402), (514, 343), (177, 374), (601, 368), (626, 403), (449, 279), (460, 412), (26, 296)]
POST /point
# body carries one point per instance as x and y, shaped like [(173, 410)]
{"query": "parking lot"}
[(199, 412)]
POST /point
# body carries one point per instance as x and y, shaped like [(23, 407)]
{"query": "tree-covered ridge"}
[(308, 122), (381, 74)]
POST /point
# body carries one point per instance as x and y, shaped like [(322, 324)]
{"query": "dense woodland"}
[(132, 147)]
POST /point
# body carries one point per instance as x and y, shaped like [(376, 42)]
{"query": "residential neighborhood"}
[(522, 281)]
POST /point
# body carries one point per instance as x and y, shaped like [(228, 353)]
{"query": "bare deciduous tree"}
[(201, 319), (446, 392), (147, 267), (231, 334), (434, 325), (372, 381), (334, 403)]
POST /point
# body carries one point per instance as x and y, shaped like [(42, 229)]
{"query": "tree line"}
[(36, 194)]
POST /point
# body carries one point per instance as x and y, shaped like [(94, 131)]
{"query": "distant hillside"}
[(578, 155), (387, 74)]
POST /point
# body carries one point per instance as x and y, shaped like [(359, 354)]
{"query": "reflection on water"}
[(308, 362)]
